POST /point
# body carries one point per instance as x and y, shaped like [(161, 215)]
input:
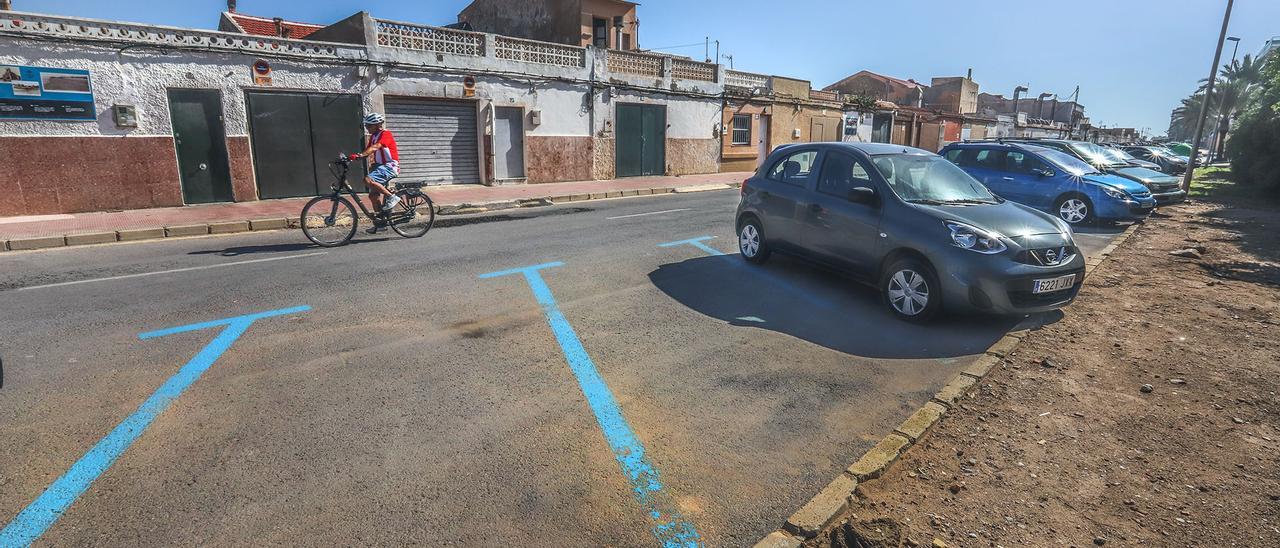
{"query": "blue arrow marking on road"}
[(669, 526), (36, 518)]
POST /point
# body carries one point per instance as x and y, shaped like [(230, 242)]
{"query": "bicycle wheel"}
[(414, 215), (329, 221)]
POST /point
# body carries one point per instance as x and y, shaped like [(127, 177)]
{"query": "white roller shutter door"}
[(436, 139)]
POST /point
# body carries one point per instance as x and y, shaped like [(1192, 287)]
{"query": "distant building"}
[(885, 88), (1069, 113), (952, 94), (1268, 47), (610, 24)]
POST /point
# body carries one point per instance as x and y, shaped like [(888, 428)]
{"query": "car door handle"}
[(815, 208), (1007, 178)]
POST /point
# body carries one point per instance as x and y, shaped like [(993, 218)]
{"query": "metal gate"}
[(437, 140), (642, 140), (296, 135)]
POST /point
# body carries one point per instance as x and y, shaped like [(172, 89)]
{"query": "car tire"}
[(1075, 209), (911, 290), (751, 243)]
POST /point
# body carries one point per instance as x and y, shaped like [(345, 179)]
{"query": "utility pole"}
[(1217, 135), (1204, 105)]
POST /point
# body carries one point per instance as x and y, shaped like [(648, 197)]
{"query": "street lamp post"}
[(1204, 105)]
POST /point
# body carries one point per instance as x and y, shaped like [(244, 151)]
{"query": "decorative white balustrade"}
[(745, 80), (111, 31), (638, 64), (544, 53), (692, 70), (424, 38)]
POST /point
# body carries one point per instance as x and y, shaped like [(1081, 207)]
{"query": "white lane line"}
[(649, 213), (174, 271)]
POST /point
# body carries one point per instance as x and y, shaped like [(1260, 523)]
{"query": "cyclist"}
[(386, 165)]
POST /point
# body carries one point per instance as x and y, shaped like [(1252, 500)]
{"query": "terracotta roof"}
[(266, 26)]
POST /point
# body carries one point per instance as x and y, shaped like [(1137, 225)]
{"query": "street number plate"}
[(1053, 284)]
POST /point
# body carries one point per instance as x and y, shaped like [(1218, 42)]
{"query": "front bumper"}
[(1132, 209), (1174, 196), (1000, 285)]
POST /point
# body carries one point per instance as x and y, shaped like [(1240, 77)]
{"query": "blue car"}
[(1052, 181)]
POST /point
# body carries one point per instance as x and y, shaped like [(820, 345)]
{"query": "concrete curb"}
[(283, 223), (825, 507)]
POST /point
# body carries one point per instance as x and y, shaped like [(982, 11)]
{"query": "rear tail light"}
[(744, 187)]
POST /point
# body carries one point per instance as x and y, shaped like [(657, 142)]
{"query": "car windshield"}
[(1096, 155), (1064, 161), (1118, 154), (924, 179)]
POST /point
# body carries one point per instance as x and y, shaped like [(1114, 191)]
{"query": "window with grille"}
[(741, 129)]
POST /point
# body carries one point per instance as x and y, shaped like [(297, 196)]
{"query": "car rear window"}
[(794, 168)]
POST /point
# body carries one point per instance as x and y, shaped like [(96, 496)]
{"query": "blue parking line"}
[(784, 283), (669, 527), (41, 514)]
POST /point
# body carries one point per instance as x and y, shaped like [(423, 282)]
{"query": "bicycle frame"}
[(340, 187)]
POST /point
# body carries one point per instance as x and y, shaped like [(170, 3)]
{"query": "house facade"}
[(171, 116), (605, 24)]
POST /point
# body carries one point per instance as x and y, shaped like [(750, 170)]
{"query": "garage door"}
[(437, 140)]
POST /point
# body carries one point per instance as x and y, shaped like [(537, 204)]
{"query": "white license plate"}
[(1053, 284)]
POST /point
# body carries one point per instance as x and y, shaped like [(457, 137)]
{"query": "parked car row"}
[(983, 226)]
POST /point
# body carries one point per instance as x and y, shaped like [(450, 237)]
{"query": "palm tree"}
[(1231, 91), (1183, 122)]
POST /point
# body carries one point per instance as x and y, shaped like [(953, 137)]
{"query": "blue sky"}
[(1133, 59)]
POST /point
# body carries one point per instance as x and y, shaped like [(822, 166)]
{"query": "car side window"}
[(840, 174), (794, 168), (990, 159), (953, 156)]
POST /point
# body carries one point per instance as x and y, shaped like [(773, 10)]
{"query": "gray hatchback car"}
[(924, 232)]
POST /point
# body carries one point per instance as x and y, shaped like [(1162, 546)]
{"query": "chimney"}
[(5, 5), (231, 5), (969, 75), (281, 31)]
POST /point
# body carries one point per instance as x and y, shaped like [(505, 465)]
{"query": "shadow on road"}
[(1100, 228), (796, 299), (275, 248)]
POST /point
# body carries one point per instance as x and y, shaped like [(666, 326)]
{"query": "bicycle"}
[(331, 220)]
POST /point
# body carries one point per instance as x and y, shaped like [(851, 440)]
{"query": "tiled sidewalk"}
[(81, 228)]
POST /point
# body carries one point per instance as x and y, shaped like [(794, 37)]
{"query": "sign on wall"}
[(38, 93)]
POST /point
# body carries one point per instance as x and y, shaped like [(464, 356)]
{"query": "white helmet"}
[(374, 118)]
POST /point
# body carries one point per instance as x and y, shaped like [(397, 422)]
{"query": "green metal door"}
[(294, 137), (201, 143), (641, 140)]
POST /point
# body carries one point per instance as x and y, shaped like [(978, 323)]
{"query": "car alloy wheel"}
[(908, 292), (749, 240), (1073, 210)]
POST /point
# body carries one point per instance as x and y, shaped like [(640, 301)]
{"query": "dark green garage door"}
[(642, 140), (296, 135)]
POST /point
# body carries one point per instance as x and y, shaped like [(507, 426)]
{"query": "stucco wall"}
[(140, 77)]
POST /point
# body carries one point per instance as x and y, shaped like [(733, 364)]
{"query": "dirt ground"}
[(1062, 445)]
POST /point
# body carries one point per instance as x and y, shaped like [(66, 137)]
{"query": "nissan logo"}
[(1051, 256)]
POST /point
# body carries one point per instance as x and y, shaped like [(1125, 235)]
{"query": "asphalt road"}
[(415, 401)]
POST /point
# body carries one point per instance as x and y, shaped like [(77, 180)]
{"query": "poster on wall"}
[(38, 93)]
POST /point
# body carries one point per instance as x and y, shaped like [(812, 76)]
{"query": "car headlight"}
[(1115, 193), (975, 239)]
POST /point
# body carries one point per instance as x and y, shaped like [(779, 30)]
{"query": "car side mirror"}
[(1045, 172), (862, 195)]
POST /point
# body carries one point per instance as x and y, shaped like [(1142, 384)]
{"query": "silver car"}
[(921, 230)]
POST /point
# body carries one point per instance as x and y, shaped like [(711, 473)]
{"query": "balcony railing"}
[(638, 64), (112, 31), (544, 53), (745, 80), (424, 38), (692, 70)]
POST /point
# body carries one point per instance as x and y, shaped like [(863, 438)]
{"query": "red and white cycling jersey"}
[(387, 155)]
